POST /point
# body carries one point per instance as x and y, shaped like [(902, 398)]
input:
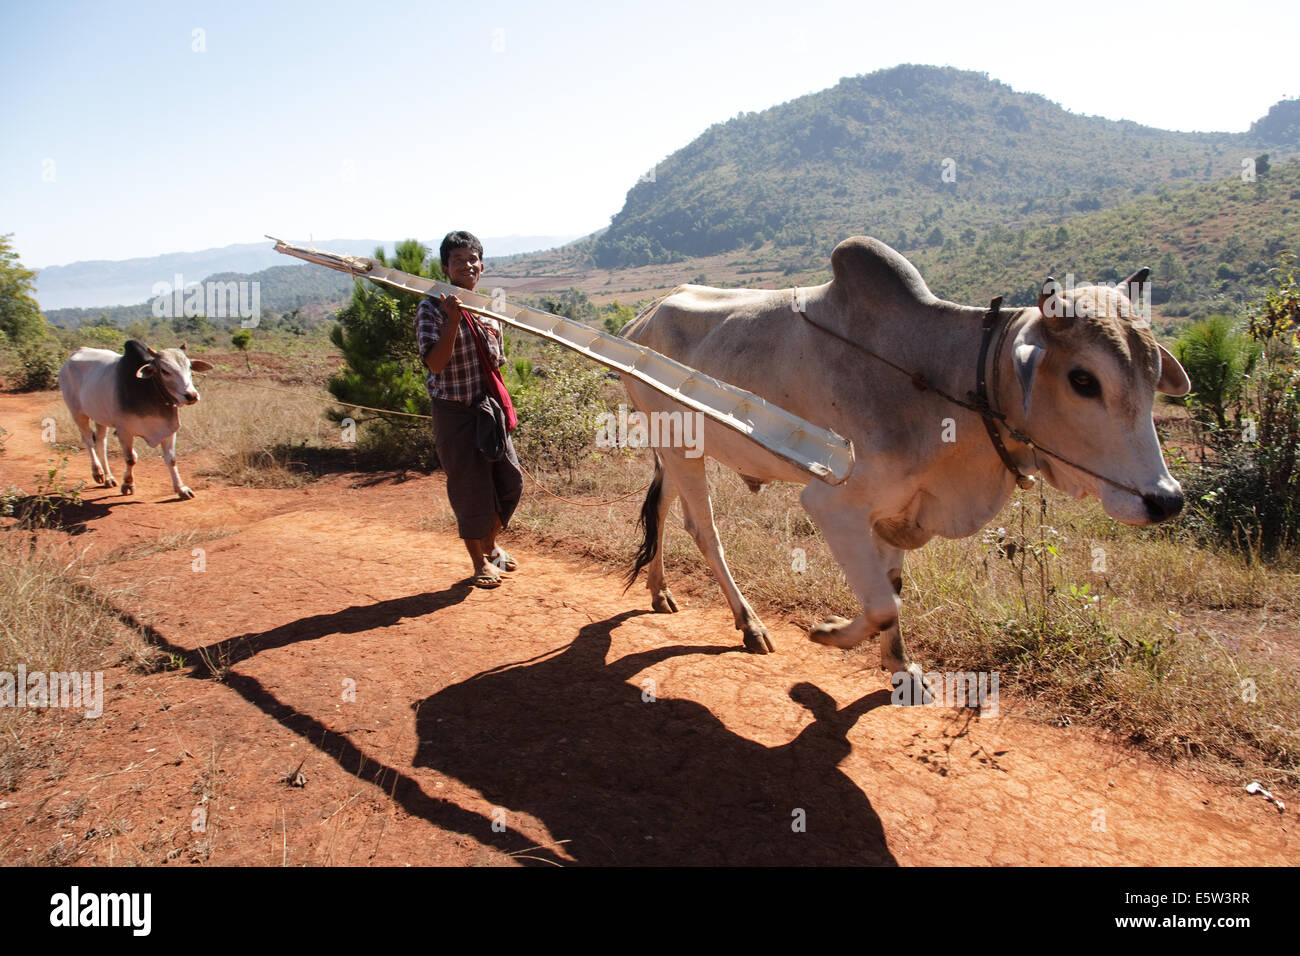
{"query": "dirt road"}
[(553, 719)]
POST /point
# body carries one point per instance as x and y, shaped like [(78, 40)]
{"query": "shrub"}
[(1217, 357), (93, 336), (558, 413), (38, 366), (1248, 494)]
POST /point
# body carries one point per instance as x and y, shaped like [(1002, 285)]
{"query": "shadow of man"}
[(350, 620), (629, 781)]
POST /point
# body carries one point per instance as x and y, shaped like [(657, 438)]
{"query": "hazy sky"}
[(136, 128)]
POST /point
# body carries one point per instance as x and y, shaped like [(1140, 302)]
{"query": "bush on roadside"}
[(558, 412), (38, 366), (1246, 494)]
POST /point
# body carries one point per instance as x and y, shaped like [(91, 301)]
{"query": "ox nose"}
[(1163, 506), (192, 397)]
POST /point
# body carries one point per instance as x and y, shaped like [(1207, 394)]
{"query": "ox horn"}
[(1137, 278), (1052, 306), (1134, 282)]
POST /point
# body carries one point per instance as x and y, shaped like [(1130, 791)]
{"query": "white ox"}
[(138, 394), (1076, 375)]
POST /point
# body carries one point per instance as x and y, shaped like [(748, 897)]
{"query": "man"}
[(483, 494)]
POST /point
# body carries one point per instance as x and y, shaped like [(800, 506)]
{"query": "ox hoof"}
[(184, 493), (834, 632), (663, 602), (757, 640), (909, 687), (108, 481), (128, 488)]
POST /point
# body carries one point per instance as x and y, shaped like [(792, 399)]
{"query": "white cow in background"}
[(137, 393)]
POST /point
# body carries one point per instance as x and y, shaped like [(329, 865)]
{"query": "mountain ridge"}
[(102, 283), (904, 150)]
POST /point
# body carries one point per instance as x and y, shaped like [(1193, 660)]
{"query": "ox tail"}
[(649, 524)]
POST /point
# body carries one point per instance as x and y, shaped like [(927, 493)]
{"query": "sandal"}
[(486, 579), (501, 559)]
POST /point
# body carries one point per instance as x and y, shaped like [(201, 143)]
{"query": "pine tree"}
[(376, 334)]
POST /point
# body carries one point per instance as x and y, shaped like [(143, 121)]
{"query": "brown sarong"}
[(479, 490)]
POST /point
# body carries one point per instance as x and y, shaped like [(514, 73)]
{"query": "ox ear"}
[(1173, 379), (1026, 353), (1056, 312), (146, 371), (198, 365)]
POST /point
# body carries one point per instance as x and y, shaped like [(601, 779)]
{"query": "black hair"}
[(458, 240)]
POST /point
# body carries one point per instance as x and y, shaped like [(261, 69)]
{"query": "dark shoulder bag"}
[(490, 427), (493, 416)]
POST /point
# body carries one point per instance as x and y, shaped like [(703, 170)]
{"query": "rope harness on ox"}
[(978, 400), (156, 378)]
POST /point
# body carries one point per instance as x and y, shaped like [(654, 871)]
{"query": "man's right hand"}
[(451, 309)]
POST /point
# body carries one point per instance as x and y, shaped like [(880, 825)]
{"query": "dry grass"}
[(257, 430), (1114, 647), (1145, 643), (245, 433), (167, 541), (53, 617)]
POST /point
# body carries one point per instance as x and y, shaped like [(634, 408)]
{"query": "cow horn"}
[(183, 344), (1052, 306)]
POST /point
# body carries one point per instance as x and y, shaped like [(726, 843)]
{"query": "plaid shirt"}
[(461, 379)]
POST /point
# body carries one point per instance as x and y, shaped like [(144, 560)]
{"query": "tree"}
[(242, 339), (573, 304), (615, 316), (1217, 357), (376, 334), (1249, 493), (21, 321)]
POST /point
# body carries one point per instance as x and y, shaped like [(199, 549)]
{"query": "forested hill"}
[(311, 292), (1210, 246), (912, 154)]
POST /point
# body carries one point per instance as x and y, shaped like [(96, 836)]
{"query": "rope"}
[(389, 411), (917, 378), (383, 411), (582, 504), (982, 410)]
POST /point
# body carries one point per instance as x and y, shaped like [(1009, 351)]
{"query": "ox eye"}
[(1085, 383)]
